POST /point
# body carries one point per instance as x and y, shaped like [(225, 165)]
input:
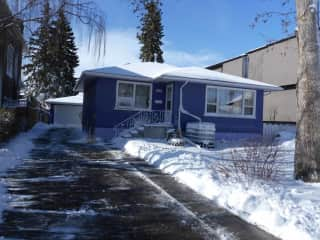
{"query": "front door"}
[(169, 104)]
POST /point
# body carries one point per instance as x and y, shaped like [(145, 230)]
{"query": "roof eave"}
[(163, 77), (79, 85), (111, 75), (64, 103), (224, 83)]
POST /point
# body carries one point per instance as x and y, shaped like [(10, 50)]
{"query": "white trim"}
[(164, 78), (117, 107), (117, 76), (171, 97), (217, 114), (167, 112), (223, 83)]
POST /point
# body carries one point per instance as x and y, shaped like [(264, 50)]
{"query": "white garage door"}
[(68, 115)]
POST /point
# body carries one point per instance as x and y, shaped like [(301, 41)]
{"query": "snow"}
[(205, 75), (221, 232), (149, 71), (287, 208), (14, 152), (74, 100)]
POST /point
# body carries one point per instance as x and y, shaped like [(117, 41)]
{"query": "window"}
[(133, 95), (249, 100), (142, 96), (230, 102), (169, 95), (10, 60), (211, 100), (125, 95)]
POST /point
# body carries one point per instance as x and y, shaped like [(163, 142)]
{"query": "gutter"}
[(182, 110), (79, 84), (221, 83), (60, 103), (164, 78)]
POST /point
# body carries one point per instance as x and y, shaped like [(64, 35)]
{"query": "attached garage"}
[(66, 111)]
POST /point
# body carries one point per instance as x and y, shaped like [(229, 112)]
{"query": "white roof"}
[(71, 100), (202, 74), (149, 71)]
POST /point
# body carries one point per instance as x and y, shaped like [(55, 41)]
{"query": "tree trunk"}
[(307, 153)]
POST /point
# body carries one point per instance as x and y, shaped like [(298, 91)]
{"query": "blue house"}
[(118, 97)]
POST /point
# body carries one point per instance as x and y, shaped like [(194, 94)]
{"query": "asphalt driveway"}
[(73, 190)]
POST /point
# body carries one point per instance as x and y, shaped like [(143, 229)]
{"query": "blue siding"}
[(106, 114), (99, 107), (194, 102)]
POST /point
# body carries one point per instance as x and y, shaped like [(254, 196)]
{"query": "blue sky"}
[(197, 32)]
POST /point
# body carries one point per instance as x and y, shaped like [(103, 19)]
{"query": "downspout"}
[(182, 110)]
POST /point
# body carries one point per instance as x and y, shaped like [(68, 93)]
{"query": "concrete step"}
[(140, 128), (126, 135), (134, 133)]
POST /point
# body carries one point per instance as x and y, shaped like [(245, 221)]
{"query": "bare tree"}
[(285, 15), (85, 13), (306, 17), (256, 160), (307, 154)]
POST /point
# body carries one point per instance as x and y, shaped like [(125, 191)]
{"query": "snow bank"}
[(12, 153), (288, 209)]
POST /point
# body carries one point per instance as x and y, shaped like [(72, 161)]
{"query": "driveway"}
[(72, 190)]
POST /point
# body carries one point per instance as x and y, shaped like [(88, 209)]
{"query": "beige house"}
[(275, 63)]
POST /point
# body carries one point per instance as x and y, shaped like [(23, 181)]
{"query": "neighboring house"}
[(275, 63), (115, 95), (11, 46), (66, 111)]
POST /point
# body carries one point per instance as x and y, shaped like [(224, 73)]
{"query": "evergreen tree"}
[(64, 55), (52, 57), (38, 71), (151, 32)]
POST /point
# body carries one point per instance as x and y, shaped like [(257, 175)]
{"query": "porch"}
[(146, 124)]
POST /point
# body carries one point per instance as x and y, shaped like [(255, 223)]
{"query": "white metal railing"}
[(143, 117)]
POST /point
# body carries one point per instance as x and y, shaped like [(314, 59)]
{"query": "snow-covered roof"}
[(71, 100), (204, 75), (149, 71)]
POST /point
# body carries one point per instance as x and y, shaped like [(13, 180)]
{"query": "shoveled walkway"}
[(72, 190)]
